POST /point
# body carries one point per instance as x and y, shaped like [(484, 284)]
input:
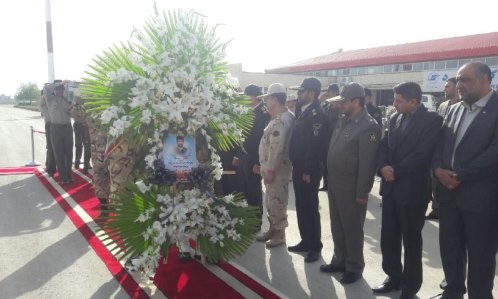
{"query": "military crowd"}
[(335, 136), (449, 156)]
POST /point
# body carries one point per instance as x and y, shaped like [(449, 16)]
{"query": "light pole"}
[(50, 46)]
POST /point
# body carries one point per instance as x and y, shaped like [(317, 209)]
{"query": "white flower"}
[(142, 186), (146, 116)]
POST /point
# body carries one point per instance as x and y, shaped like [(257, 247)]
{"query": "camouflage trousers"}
[(277, 197), (121, 162), (101, 177)]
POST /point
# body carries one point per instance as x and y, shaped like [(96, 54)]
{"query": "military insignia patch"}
[(373, 137), (275, 133), (316, 129)]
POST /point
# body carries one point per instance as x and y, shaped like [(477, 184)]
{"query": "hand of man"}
[(447, 177), (256, 169), (387, 173), (361, 201), (307, 178), (235, 162), (268, 177)]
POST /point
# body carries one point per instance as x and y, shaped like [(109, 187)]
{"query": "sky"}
[(262, 34)]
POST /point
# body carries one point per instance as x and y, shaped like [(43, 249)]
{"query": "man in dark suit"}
[(404, 161), (247, 159), (306, 155), (466, 165)]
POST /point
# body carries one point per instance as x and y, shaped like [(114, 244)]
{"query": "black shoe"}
[(443, 284), (407, 295), (386, 287), (349, 277), (329, 268), (85, 171), (433, 215), (312, 256), (297, 248), (76, 165)]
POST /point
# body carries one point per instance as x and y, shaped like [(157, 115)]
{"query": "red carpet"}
[(174, 279), (16, 170)]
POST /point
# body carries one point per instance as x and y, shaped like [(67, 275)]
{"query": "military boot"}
[(277, 239), (265, 236)]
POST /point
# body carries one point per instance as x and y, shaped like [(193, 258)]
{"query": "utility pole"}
[(50, 46)]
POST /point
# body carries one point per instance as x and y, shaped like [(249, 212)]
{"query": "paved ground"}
[(43, 256)]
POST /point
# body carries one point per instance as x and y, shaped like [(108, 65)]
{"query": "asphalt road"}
[(43, 256)]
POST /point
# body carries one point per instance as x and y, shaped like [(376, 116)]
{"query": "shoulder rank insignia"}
[(373, 137)]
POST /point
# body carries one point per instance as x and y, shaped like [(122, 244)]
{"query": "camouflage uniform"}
[(121, 159), (81, 134), (101, 176), (274, 156)]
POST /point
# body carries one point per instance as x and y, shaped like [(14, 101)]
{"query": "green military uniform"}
[(274, 156), (351, 162)]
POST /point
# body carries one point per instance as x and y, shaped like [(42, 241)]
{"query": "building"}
[(428, 63), (265, 79)]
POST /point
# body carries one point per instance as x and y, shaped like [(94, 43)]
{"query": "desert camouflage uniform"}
[(121, 159), (101, 176), (274, 156)]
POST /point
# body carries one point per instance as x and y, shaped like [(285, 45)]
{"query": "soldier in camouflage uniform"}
[(101, 176), (121, 158), (275, 164), (81, 133)]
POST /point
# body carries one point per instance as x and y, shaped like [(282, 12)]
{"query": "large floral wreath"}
[(172, 79)]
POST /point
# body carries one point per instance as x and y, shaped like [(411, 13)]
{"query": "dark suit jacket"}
[(476, 158), (251, 144), (410, 154)]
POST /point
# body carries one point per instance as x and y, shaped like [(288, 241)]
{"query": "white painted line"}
[(151, 289), (231, 281)]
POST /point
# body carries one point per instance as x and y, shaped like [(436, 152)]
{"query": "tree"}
[(27, 93)]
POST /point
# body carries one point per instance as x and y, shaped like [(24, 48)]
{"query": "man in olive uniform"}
[(247, 159), (61, 132), (333, 113), (50, 159), (351, 162), (275, 164), (306, 154)]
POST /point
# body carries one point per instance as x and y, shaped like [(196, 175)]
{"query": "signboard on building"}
[(434, 81)]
